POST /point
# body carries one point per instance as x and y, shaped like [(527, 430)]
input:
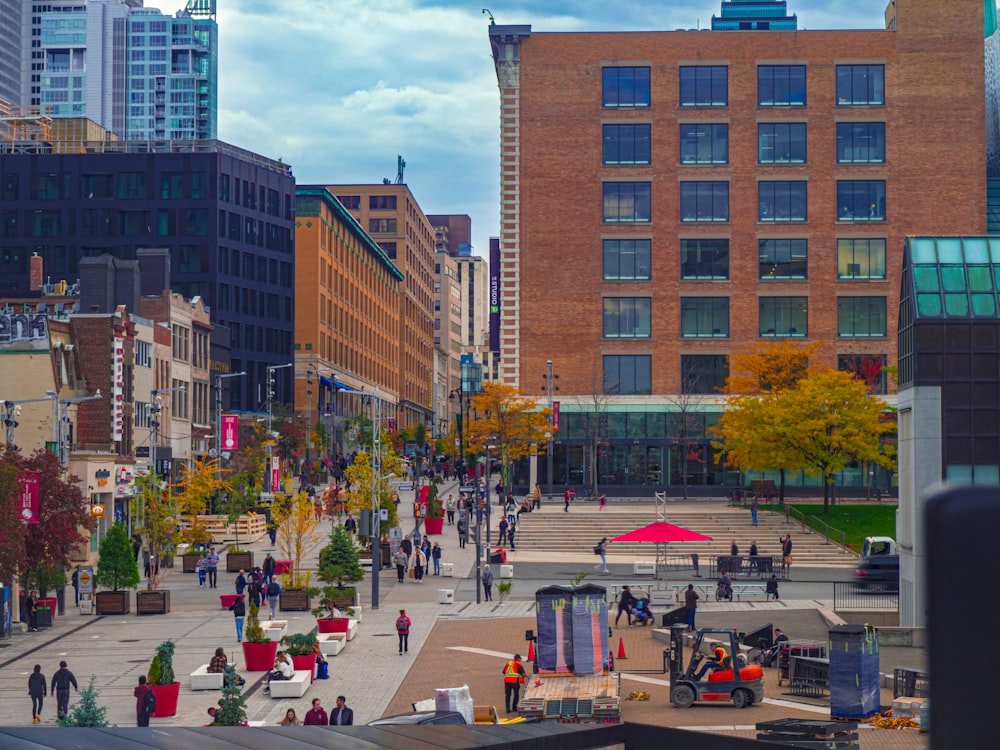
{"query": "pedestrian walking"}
[(753, 557), (316, 716), (37, 688), (487, 583), (400, 560), (273, 592), (342, 716), (403, 624), (419, 564), (753, 511), (212, 566), (254, 582), (143, 706), (202, 569), (436, 558), (511, 528), (690, 604), (241, 581), (625, 601), (145, 563), (239, 611), (270, 565), (76, 586), (786, 549), (449, 506), (272, 532), (602, 503), (602, 550), (463, 530), (59, 687), (513, 678)]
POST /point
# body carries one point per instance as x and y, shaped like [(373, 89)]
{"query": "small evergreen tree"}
[(161, 669), (232, 707), (254, 633), (340, 561), (117, 568), (86, 712)]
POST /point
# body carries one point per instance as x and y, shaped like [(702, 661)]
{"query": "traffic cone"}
[(531, 650), (621, 648)]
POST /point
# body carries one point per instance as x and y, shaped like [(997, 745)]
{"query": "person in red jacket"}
[(316, 714), (141, 710)]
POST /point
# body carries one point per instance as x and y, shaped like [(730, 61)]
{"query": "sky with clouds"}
[(338, 88)]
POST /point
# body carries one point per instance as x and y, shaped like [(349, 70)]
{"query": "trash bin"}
[(854, 672), (498, 557)]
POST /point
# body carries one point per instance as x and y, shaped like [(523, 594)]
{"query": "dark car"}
[(421, 717), (878, 574)]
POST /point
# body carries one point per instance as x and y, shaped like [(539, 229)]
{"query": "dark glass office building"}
[(754, 15), (226, 214)]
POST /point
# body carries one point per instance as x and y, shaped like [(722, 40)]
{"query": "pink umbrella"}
[(662, 532)]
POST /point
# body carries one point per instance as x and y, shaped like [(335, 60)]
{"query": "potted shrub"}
[(434, 523), (330, 616), (161, 679), (340, 563), (116, 569), (258, 651), (301, 649)]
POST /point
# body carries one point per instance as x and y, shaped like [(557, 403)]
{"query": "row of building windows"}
[(778, 201), (777, 86), (858, 259), (778, 317), (705, 374)]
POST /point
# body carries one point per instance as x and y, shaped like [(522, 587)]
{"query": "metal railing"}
[(761, 566), (874, 596), (813, 523)]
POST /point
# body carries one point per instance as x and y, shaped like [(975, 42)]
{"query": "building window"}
[(10, 228), (94, 186), (626, 260), (782, 259), (704, 259), (860, 84), (860, 142), (626, 144), (782, 201), (867, 367), (781, 85), (172, 186), (860, 259), (389, 248), (704, 317), (626, 202), (132, 185), (193, 259), (13, 259), (861, 200), (627, 317), (46, 223), (860, 317), (783, 317), (48, 187), (704, 143), (382, 226), (704, 85), (628, 374), (704, 201), (382, 202), (704, 374), (350, 202), (781, 143), (625, 87)]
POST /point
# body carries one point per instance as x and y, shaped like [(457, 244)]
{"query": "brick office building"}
[(671, 198)]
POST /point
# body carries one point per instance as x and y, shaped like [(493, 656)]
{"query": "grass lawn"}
[(857, 521)]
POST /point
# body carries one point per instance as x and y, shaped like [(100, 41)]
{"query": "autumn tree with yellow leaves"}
[(200, 482), (296, 517), (360, 481), (506, 418)]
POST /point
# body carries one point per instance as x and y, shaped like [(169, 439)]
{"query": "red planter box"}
[(282, 566), (259, 657), (433, 526), (338, 625), (305, 663), (166, 699), (227, 599)]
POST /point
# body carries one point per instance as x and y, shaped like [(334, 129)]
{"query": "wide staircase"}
[(565, 535)]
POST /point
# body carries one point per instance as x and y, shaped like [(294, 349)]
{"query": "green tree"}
[(116, 567), (360, 478), (296, 517), (161, 668), (86, 712), (232, 710), (241, 497)]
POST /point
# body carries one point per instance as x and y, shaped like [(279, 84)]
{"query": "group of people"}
[(59, 686), (415, 555), (341, 716)]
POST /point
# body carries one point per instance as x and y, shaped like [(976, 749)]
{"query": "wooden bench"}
[(274, 629), (331, 644), (202, 679), (643, 568), (293, 688)]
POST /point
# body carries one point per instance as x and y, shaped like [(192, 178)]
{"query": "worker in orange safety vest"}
[(513, 676)]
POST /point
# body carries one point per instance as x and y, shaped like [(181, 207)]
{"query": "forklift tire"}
[(682, 696), (742, 698)]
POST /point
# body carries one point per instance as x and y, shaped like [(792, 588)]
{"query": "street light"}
[(62, 418), (460, 394), (269, 400), (550, 386), (13, 411)]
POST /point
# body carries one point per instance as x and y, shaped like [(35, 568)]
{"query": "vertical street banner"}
[(118, 388), (494, 294), (555, 416), (27, 492), (275, 473), (230, 432)]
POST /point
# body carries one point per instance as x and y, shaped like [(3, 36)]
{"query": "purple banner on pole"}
[(494, 294)]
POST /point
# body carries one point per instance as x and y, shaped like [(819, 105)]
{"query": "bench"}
[(643, 568), (331, 644), (293, 688), (274, 629), (202, 679), (750, 589), (706, 591), (352, 629)]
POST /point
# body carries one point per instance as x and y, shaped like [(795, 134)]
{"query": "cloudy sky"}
[(338, 88)]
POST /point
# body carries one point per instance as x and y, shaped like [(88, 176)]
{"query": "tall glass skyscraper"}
[(750, 15), (137, 72)]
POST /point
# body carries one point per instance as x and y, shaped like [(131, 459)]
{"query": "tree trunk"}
[(781, 486), (826, 494), (684, 468)]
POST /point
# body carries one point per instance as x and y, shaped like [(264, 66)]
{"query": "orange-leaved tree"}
[(200, 481), (296, 519), (508, 420)]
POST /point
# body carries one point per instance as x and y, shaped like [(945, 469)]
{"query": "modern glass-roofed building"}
[(755, 15), (949, 384)]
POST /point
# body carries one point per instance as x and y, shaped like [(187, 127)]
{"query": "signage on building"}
[(230, 432), (97, 510), (555, 416), (27, 492), (494, 294), (118, 389)]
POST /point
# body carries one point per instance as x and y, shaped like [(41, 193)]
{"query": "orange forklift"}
[(744, 686)]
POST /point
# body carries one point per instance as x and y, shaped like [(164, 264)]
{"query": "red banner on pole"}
[(230, 432), (555, 416), (275, 473), (27, 490)]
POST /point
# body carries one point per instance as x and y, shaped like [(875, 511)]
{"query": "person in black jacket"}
[(59, 687), (341, 715), (239, 611), (269, 565), (36, 689)]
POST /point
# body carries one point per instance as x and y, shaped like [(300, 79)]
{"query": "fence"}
[(814, 523), (874, 597), (760, 566)]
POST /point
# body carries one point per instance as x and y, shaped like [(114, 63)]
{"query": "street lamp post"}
[(269, 400), (549, 387), (218, 412), (154, 423), (460, 394), (309, 393)]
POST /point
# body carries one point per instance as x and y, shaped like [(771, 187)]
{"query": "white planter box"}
[(331, 644), (506, 571), (446, 596), (448, 570), (202, 679), (643, 568), (293, 688), (274, 629), (352, 629)]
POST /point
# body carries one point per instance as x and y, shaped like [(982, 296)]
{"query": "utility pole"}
[(550, 386), (218, 418), (268, 484)]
